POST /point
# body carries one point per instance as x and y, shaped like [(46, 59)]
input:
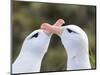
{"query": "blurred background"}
[(28, 16)]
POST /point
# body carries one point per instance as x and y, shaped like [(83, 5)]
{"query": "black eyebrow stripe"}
[(69, 30), (35, 35)]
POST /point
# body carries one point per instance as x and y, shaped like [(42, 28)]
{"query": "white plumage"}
[(75, 41), (33, 49)]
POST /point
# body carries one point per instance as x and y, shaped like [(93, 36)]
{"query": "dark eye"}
[(70, 31), (35, 35)]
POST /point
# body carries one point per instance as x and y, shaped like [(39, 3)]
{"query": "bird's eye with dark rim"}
[(35, 35), (70, 31)]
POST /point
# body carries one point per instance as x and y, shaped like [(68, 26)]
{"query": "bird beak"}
[(56, 28), (46, 28)]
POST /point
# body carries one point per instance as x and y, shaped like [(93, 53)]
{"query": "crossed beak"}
[(55, 28)]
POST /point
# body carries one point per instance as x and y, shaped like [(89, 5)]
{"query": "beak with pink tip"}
[(53, 29)]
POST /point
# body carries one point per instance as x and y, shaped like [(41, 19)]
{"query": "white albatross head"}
[(75, 41), (33, 49), (74, 37)]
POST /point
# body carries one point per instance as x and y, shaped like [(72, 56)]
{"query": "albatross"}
[(75, 42), (33, 49)]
